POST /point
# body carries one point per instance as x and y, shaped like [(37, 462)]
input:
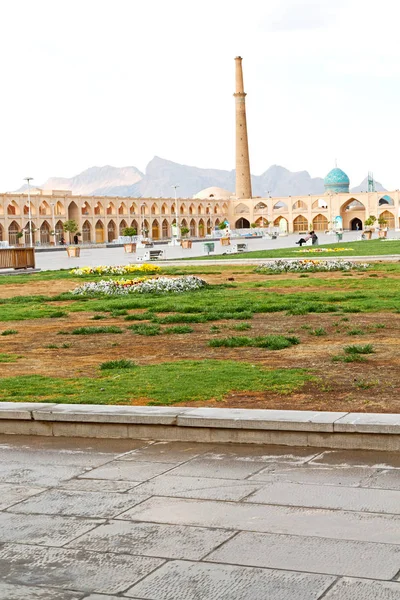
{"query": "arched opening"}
[(2, 233), (261, 222), (201, 228), (356, 224), (99, 232), (122, 210), (13, 209), (33, 209), (389, 217), (111, 231), (281, 206), (182, 209), (13, 230), (386, 200), (299, 205), (242, 224), (133, 209), (320, 203), (172, 209), (30, 226), (165, 228), (164, 209), (73, 212), (122, 226), (155, 230), (85, 209), (110, 208), (146, 228), (351, 210), (281, 222), (217, 222), (192, 209), (45, 233), (242, 209), (192, 228), (135, 225), (209, 226), (320, 223), (200, 209), (98, 209), (44, 209), (154, 209), (224, 208), (86, 232), (300, 224), (59, 208), (59, 231)]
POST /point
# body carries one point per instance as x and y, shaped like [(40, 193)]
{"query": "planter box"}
[(73, 252), (17, 258), (129, 248), (382, 234), (225, 241), (186, 243)]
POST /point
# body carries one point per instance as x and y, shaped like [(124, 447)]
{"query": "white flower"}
[(157, 285), (293, 266)]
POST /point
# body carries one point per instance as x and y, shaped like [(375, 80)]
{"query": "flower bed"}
[(116, 270), (157, 285), (312, 250), (299, 266)]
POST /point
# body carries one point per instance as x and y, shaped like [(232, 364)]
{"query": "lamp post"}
[(28, 180), (142, 220), (177, 212), (52, 221)]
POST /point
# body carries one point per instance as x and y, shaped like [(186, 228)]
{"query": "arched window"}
[(45, 233), (389, 217), (111, 231), (86, 232), (320, 223), (300, 223)]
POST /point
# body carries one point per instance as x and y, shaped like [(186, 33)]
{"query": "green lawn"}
[(165, 384), (364, 248)]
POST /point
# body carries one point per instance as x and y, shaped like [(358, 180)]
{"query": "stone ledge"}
[(270, 420), (94, 413), (292, 428)]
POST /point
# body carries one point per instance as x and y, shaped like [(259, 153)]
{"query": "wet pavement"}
[(108, 519)]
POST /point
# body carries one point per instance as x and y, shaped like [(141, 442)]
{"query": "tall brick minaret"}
[(243, 177)]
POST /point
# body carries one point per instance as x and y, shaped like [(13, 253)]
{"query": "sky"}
[(115, 82)]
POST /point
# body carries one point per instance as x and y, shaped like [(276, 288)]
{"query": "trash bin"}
[(209, 247), (339, 236)]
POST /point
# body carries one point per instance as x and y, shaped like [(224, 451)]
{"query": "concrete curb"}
[(292, 428)]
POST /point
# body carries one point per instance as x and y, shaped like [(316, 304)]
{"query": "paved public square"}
[(93, 256), (107, 519)]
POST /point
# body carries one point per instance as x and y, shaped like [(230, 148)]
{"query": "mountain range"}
[(161, 175)]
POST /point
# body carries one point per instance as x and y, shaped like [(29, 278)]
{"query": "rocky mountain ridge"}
[(161, 175)]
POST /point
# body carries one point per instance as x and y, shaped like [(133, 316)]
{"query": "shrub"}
[(51, 346), (98, 317), (119, 312), (140, 317), (318, 331), (349, 358), (65, 345), (356, 331), (179, 318), (366, 349), (57, 314), (144, 329), (123, 363), (92, 330), (179, 329), (9, 332)]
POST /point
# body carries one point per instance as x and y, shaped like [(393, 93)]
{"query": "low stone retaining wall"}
[(289, 428)]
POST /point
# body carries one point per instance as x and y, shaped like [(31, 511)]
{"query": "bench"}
[(17, 258), (152, 255)]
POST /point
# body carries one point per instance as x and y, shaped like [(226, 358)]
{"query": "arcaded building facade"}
[(103, 219)]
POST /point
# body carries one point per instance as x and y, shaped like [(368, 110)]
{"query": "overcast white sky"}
[(95, 82)]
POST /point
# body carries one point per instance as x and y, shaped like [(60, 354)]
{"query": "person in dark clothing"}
[(76, 239), (62, 241), (314, 238), (304, 239)]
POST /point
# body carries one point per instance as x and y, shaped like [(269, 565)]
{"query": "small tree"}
[(370, 221), (253, 225), (222, 225), (71, 227), (129, 232), (382, 221), (184, 231)]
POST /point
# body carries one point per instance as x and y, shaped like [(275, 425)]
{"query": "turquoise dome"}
[(337, 181)]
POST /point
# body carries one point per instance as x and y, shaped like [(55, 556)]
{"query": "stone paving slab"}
[(319, 475), (128, 471), (332, 497), (35, 474), (268, 519), (79, 504), (353, 589), (310, 554), (20, 410), (149, 539), (199, 581), (11, 494), (387, 480), (168, 452), (73, 569), (224, 469), (239, 418), (360, 458), (98, 485), (48, 530), (9, 591), (198, 487), (273, 455)]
